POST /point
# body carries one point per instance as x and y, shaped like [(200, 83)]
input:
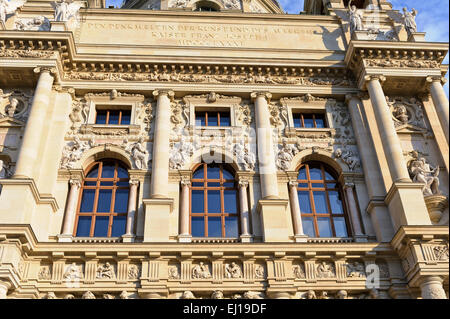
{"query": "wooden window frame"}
[(314, 215), (302, 119), (94, 214), (107, 116), (205, 189), (217, 113)]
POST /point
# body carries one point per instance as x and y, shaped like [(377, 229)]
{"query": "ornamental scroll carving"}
[(72, 152), (406, 111)]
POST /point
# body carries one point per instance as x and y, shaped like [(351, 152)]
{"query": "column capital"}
[(170, 94), (349, 185), (293, 183), (75, 182), (372, 77), (134, 182), (436, 78), (45, 69), (264, 94), (243, 182), (185, 181)]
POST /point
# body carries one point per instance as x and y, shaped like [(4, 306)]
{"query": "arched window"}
[(214, 202), (321, 201), (102, 207), (205, 5)]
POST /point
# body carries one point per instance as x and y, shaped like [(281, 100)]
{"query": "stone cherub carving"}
[(201, 271), (356, 18), (9, 7), (187, 295), (233, 270), (422, 172), (409, 20), (72, 272), (12, 107), (105, 271), (65, 9)]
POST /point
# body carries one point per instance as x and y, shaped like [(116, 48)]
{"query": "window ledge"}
[(311, 132), (330, 240), (109, 129), (214, 240), (96, 239)]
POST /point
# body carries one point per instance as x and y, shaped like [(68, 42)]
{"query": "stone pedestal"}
[(417, 37), (274, 220), (436, 204), (156, 219), (58, 26), (406, 205), (2, 26)]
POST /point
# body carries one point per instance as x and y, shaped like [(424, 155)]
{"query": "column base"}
[(301, 238), (128, 238), (156, 219), (274, 219), (65, 238), (406, 205), (184, 238), (246, 238)]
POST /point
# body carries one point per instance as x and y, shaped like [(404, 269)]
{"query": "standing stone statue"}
[(409, 20), (356, 18), (64, 10), (422, 172), (9, 8)]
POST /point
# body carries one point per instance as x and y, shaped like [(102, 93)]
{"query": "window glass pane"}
[(84, 226), (227, 175), (230, 184), (118, 227), (113, 117), (335, 202), (126, 117), (107, 183), (198, 173), (224, 119), (332, 185), (320, 202), (317, 185), (197, 184), (104, 200), (213, 172), (198, 226), (87, 201), (214, 227), (328, 176), (305, 205), (101, 117), (212, 119), (93, 173), (108, 170), (320, 122), (213, 201), (230, 201), (297, 120), (87, 183), (302, 173), (200, 119), (122, 184), (308, 226), (198, 201), (324, 227), (101, 226), (308, 120), (121, 201), (340, 227), (213, 184), (231, 226), (122, 172), (302, 185), (315, 173)]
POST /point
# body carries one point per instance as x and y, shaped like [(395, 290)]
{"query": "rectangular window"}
[(113, 117), (212, 118), (309, 120)]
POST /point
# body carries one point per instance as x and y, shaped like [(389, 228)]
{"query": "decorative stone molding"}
[(39, 23), (72, 153), (406, 111), (394, 63), (15, 104)]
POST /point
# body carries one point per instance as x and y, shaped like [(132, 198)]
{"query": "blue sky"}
[(432, 18)]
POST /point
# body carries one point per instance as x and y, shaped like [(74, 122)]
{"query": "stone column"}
[(391, 145), (161, 147), (4, 286), (244, 211), (431, 288), (69, 215), (131, 211), (296, 213), (185, 235), (266, 158), (354, 214), (440, 102), (29, 151)]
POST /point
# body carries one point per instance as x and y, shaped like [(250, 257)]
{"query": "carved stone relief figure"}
[(441, 252), (355, 270), (232, 4), (244, 114), (244, 156), (348, 157), (233, 270), (285, 155), (40, 23), (298, 271), (108, 296), (187, 295), (88, 295), (173, 272), (69, 296), (409, 20), (105, 271), (133, 272), (178, 3), (139, 154), (259, 271), (79, 114), (72, 153), (325, 270), (73, 272), (14, 104), (44, 273), (181, 152), (324, 295), (201, 271), (5, 171), (422, 172), (406, 111), (50, 295), (217, 294), (65, 9)]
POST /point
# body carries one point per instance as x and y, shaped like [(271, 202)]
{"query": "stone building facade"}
[(221, 149)]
